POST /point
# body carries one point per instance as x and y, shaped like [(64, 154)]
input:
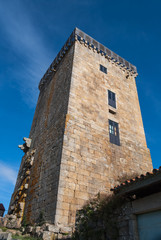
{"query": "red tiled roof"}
[(138, 179), (2, 207)]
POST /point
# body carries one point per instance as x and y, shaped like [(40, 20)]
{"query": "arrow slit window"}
[(114, 132)]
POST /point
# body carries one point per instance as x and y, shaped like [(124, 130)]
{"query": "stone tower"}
[(87, 131)]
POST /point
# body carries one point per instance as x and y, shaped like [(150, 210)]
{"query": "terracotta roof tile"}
[(140, 178)]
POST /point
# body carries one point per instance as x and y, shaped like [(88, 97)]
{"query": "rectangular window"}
[(103, 69), (111, 99), (114, 132)]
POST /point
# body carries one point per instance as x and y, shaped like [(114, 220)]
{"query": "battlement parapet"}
[(91, 43)]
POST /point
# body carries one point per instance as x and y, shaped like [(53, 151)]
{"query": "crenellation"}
[(92, 44)]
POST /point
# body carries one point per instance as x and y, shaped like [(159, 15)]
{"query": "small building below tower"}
[(2, 210)]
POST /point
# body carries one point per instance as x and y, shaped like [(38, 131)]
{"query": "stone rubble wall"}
[(48, 231), (45, 232), (17, 203), (10, 221)]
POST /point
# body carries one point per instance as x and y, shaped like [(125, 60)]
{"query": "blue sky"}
[(32, 33)]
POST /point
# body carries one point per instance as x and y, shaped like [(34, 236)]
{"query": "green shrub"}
[(96, 219), (4, 229)]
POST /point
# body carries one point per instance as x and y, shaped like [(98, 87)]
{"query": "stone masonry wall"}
[(47, 137), (90, 163), (74, 159)]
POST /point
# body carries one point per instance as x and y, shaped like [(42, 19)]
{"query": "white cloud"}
[(8, 174), (27, 44)]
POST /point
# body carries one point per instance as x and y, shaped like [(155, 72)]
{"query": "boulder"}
[(48, 235), (52, 228), (5, 236)]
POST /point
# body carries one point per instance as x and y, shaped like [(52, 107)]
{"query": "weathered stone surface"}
[(25, 147), (1, 221), (14, 231), (74, 158), (9, 221), (29, 229), (90, 163), (37, 229), (52, 228), (5, 236), (66, 230), (48, 235)]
